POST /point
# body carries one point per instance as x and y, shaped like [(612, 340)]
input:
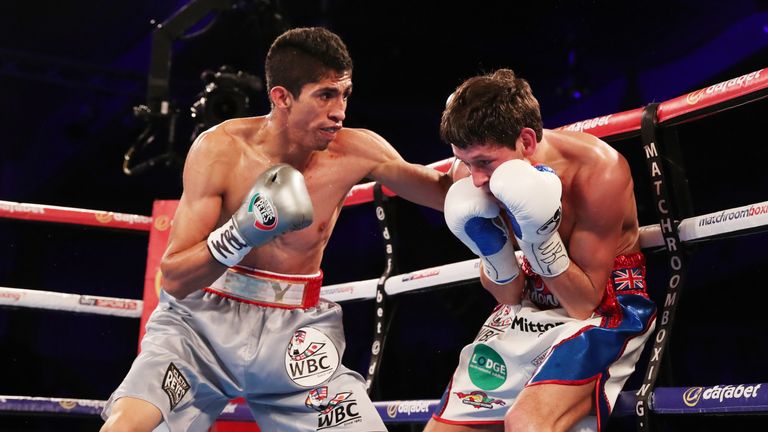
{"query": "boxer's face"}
[(321, 108), (482, 159)]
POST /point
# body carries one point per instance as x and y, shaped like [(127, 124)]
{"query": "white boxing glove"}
[(532, 196), (472, 215)]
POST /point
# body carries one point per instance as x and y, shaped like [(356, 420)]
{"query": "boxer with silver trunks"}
[(265, 337), (240, 314), (571, 325)]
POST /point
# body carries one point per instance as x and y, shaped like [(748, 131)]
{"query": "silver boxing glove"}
[(277, 203)]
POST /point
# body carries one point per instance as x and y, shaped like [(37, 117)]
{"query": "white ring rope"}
[(697, 228), (70, 302)]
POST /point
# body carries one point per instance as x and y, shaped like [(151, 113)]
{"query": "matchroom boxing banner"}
[(162, 216)]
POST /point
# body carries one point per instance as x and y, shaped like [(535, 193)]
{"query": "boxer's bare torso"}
[(599, 218), (305, 132)]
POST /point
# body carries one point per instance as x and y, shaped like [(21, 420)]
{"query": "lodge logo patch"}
[(487, 369)]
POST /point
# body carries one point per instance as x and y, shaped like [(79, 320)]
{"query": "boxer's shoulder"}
[(584, 161), (359, 142), (214, 142), (360, 151)]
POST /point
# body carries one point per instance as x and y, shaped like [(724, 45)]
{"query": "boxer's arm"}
[(507, 293), (416, 183), (599, 200), (187, 265)]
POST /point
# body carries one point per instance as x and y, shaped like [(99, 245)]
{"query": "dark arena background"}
[(81, 128)]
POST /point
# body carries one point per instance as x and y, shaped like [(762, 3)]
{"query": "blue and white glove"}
[(473, 216)]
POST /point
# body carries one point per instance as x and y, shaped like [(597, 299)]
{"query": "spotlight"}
[(227, 95)]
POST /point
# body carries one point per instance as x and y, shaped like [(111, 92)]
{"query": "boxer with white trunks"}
[(239, 313), (535, 342), (574, 316)]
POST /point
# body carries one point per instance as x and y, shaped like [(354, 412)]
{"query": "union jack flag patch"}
[(628, 279)]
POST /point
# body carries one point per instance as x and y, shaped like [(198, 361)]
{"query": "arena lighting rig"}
[(227, 93)]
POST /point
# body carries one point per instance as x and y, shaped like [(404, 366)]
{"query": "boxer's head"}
[(490, 109), (305, 55)]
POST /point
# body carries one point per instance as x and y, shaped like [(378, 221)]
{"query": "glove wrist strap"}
[(226, 245), (548, 258), (501, 267)]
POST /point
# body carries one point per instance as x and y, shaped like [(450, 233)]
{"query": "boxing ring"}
[(673, 231)]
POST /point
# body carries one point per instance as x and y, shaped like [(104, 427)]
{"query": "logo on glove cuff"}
[(266, 215), (551, 225)]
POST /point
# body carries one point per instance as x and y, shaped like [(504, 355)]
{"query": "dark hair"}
[(494, 107), (304, 55)]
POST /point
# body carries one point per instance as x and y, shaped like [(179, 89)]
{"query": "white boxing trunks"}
[(256, 335), (536, 342)]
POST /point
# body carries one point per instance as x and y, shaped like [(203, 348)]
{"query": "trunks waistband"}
[(627, 277), (630, 260), (268, 289)]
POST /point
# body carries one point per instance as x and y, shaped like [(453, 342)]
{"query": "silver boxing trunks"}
[(260, 336)]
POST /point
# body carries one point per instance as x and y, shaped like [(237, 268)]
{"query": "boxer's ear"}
[(458, 170), (526, 142), (280, 97)]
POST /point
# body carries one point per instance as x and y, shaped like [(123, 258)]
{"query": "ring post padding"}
[(669, 231), (381, 319), (163, 212)]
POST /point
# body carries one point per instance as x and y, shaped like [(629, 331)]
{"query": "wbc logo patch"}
[(338, 410), (311, 357), (317, 399)]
